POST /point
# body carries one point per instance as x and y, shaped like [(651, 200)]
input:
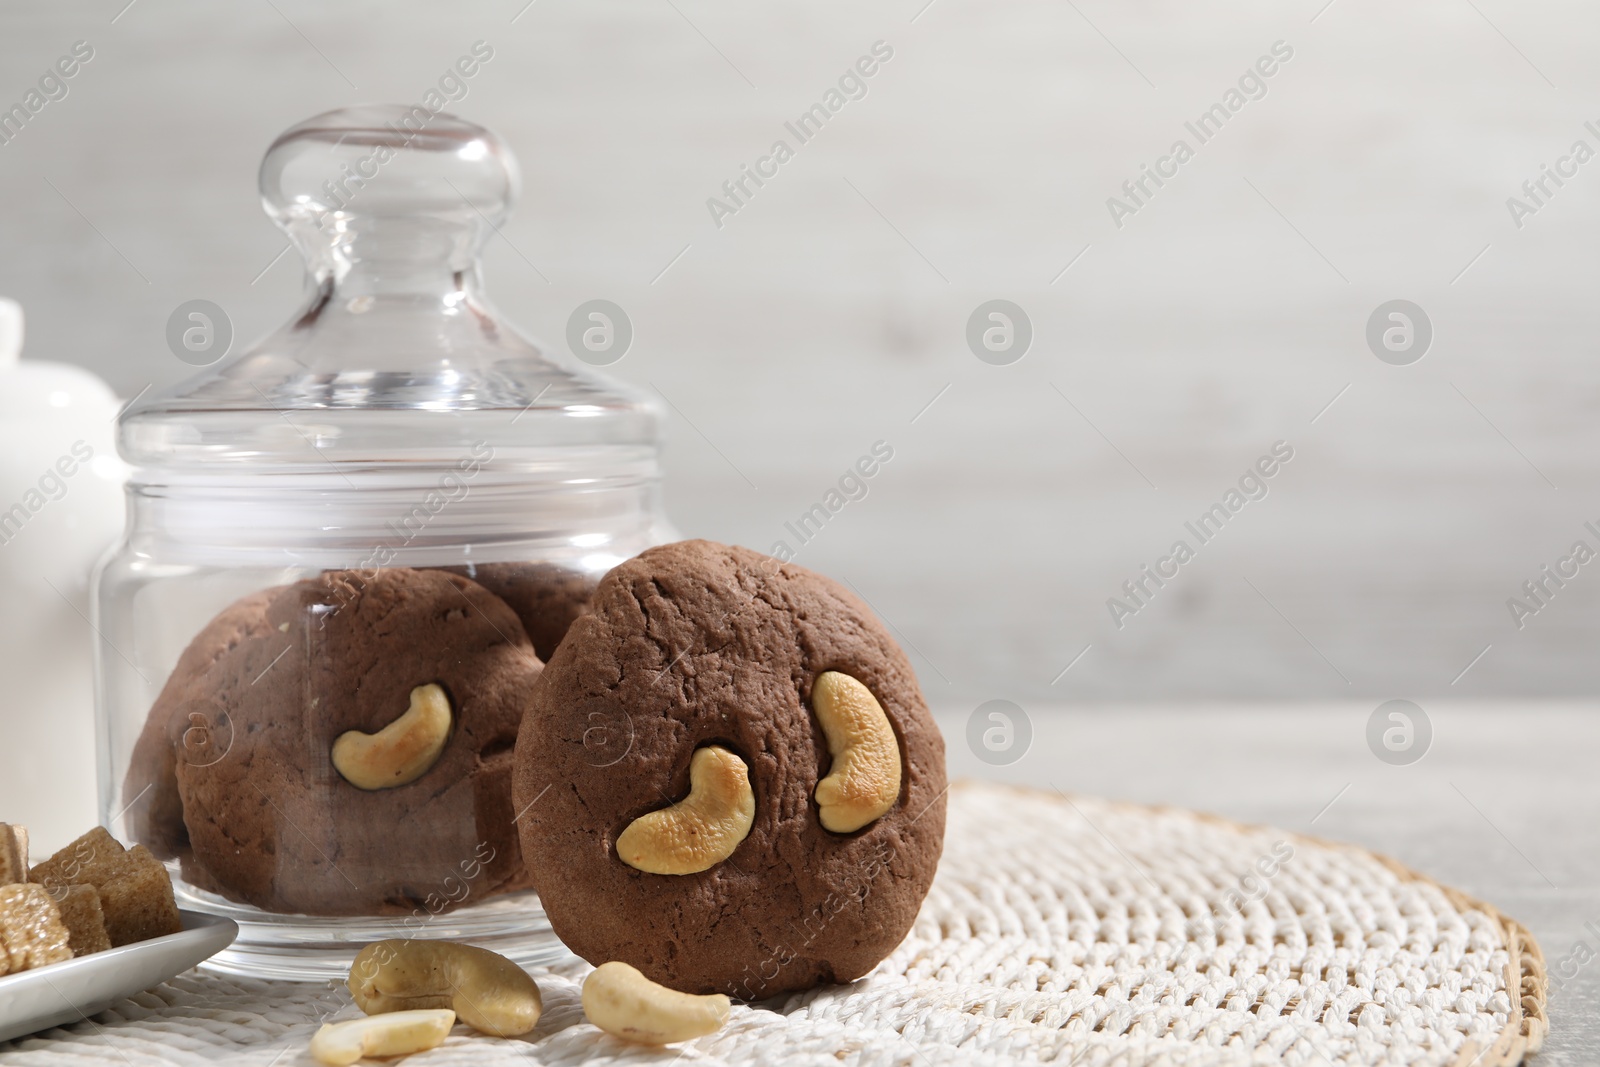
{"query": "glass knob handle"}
[(399, 173)]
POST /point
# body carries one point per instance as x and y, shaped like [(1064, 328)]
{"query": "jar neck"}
[(422, 299), (402, 303), (401, 282), (411, 260)]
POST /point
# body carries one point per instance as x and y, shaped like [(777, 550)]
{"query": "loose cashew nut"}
[(401, 752), (702, 829), (626, 1004), (489, 992), (399, 1034), (864, 780)]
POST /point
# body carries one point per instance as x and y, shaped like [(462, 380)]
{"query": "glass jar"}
[(348, 549)]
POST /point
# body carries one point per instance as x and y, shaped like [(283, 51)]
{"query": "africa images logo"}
[(1251, 85), (852, 85), (52, 86), (1141, 589), (452, 86)]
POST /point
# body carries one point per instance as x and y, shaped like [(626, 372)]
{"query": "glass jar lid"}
[(396, 358)]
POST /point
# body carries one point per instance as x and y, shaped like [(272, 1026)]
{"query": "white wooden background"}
[(827, 315), (830, 311)]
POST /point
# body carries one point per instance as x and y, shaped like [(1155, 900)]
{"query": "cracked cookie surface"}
[(697, 644)]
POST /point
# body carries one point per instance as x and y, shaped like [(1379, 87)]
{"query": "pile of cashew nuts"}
[(414, 992)]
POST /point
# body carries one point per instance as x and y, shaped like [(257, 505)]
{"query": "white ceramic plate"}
[(73, 990)]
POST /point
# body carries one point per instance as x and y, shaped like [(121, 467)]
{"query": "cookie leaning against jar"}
[(355, 742), (730, 777)]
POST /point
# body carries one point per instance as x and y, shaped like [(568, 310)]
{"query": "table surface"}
[(1500, 806)]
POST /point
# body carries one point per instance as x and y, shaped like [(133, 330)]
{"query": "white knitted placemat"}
[(1059, 930)]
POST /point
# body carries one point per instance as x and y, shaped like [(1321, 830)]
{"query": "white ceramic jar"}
[(61, 507)]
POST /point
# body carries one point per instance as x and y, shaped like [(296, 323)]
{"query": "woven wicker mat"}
[(1059, 930)]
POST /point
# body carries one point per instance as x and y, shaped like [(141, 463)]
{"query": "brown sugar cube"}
[(135, 890), (19, 834), (89, 860), (81, 914), (13, 854), (30, 928), (137, 900)]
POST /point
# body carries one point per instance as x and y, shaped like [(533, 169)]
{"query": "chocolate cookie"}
[(182, 725), (546, 597), (701, 653), (277, 817)]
